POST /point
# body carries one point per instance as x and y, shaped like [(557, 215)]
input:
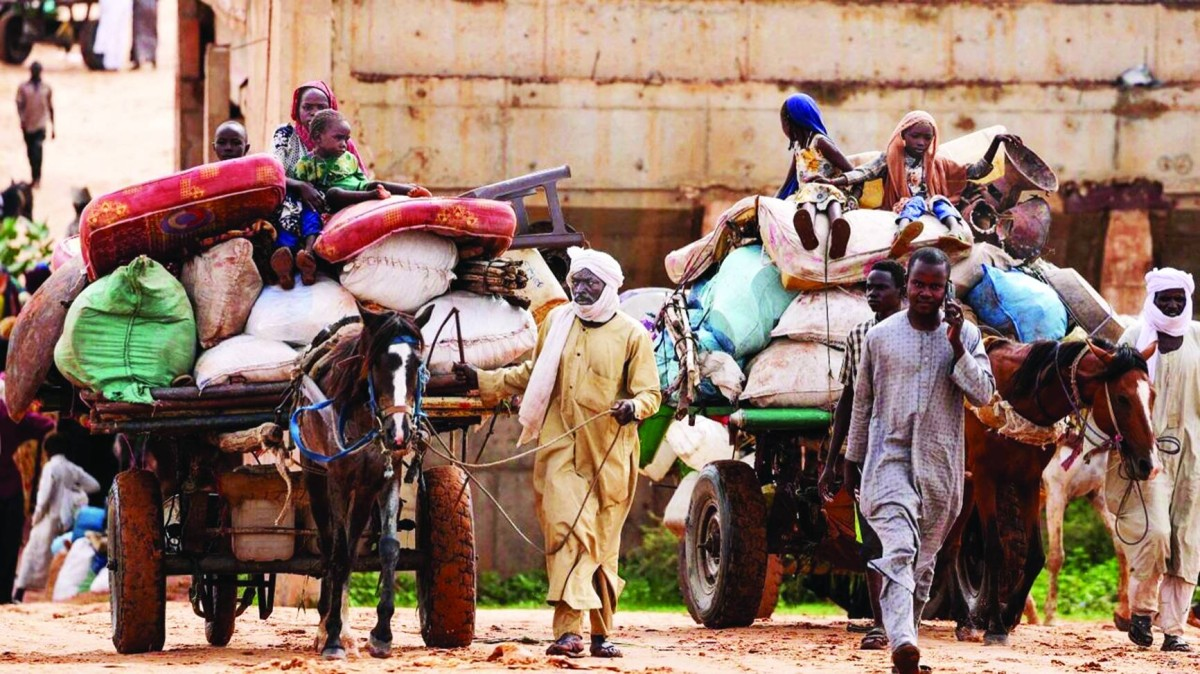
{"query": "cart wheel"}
[(446, 582), (13, 47), (137, 579), (771, 586), (218, 628), (87, 46), (727, 545), (685, 588)]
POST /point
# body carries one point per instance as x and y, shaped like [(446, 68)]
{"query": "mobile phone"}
[(949, 294)]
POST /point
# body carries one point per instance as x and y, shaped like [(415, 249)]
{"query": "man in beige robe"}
[(592, 374), (1163, 540)]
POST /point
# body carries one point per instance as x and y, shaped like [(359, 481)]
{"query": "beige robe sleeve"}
[(642, 377), (496, 385)]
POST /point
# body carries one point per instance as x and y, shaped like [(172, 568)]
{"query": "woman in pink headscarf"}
[(292, 143)]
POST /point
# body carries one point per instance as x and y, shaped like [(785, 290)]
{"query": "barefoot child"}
[(335, 171), (816, 161), (916, 181), (230, 141)]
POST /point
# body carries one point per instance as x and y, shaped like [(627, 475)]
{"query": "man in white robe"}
[(906, 439)]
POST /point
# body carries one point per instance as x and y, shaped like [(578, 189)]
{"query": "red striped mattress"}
[(163, 218)]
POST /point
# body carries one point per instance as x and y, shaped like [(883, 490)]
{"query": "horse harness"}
[(313, 365)]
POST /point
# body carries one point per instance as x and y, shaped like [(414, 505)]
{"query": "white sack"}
[(826, 316), (966, 274), (223, 284), (494, 333), (794, 374), (245, 360), (74, 570), (296, 316), (402, 271)]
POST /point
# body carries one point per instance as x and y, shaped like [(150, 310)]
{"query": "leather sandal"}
[(1175, 644), (603, 648), (281, 264), (839, 238), (570, 645), (904, 238), (907, 660), (307, 265), (1139, 631), (805, 228), (875, 640)]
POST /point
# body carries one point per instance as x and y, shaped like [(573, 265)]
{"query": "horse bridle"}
[(379, 414), (1075, 398)]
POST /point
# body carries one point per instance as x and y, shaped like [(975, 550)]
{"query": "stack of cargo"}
[(783, 313), (163, 286)]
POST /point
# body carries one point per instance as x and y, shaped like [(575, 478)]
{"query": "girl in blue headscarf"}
[(816, 161)]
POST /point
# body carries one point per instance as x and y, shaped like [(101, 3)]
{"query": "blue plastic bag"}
[(1020, 305), (89, 518), (743, 301)]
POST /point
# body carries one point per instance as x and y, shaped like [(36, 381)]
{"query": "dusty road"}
[(115, 129), (75, 639)]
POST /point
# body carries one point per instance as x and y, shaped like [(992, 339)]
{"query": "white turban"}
[(1154, 320), (545, 370)]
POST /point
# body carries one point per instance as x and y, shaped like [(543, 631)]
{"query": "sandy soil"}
[(75, 638), (114, 128)]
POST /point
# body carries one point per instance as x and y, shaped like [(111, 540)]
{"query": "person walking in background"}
[(35, 108), (145, 33), (906, 440), (62, 491), (12, 494)]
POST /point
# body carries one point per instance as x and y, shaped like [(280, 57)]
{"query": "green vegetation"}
[(1087, 584)]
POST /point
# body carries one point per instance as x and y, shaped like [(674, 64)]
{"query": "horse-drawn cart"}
[(190, 503), (24, 23)]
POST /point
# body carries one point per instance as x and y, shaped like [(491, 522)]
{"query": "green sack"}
[(128, 332)]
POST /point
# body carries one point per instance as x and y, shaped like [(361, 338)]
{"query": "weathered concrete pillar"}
[(1128, 255), (189, 88), (216, 94)]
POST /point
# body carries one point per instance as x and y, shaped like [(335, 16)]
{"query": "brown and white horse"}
[(1043, 382)]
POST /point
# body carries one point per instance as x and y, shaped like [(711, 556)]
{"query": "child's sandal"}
[(307, 266), (281, 264)]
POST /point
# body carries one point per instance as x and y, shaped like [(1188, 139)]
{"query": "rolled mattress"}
[(480, 227), (163, 218)]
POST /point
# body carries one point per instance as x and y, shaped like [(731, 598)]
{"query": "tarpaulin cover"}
[(164, 218)]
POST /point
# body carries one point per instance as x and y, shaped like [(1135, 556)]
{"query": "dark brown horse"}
[(356, 392), (1044, 382)]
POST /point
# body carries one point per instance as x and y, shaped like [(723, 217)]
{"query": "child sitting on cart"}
[(815, 162), (335, 171), (230, 141), (917, 181)]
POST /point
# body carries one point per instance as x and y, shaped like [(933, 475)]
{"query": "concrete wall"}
[(656, 104)]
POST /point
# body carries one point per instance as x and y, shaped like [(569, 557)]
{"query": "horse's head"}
[(392, 350), (1122, 399)]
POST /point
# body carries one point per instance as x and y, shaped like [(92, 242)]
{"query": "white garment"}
[(1157, 281), (114, 34), (63, 490), (545, 371)]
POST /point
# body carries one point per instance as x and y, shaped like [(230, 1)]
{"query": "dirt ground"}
[(46, 637), (114, 128)]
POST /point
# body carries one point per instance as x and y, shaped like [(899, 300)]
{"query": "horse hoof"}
[(334, 654), (990, 639), (967, 634), (379, 649)]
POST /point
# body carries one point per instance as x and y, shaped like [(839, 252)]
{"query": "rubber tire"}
[(137, 579), (219, 629), (446, 582), (87, 42), (11, 50), (684, 589), (771, 587), (728, 494)]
